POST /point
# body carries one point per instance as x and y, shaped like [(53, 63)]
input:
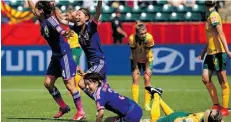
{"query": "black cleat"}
[(152, 91)]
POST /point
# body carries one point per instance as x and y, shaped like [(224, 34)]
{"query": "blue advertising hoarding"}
[(168, 60)]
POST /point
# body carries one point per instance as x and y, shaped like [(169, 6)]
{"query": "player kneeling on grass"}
[(106, 98), (212, 115)]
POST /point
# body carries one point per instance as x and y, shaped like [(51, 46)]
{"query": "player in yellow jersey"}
[(74, 45), (141, 59), (217, 50), (212, 115)]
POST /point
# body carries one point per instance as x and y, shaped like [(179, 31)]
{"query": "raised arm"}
[(98, 10), (60, 18), (33, 9)]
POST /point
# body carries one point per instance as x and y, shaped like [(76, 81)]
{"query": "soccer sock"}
[(155, 111), (135, 92), (213, 93), (167, 110), (77, 101), (77, 79), (147, 98), (225, 94), (57, 97)]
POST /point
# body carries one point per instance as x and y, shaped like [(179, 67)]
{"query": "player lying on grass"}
[(62, 63), (212, 115), (106, 98)]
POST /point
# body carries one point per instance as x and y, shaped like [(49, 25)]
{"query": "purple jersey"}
[(106, 98), (89, 40), (51, 31)]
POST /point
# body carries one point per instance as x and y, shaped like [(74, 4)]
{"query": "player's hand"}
[(68, 34), (148, 71), (80, 71), (229, 54), (200, 57)]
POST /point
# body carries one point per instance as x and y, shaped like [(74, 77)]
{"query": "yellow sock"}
[(155, 111), (225, 95), (135, 92), (167, 110), (77, 79), (213, 92), (147, 98)]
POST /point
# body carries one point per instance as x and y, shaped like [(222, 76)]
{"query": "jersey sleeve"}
[(53, 21), (71, 25), (94, 25), (215, 19), (132, 42), (149, 41)]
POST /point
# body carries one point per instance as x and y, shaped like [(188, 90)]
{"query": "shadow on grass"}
[(46, 119)]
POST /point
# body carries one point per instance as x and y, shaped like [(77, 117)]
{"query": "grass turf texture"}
[(24, 99)]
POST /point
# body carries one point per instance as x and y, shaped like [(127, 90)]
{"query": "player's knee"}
[(48, 84), (205, 80)]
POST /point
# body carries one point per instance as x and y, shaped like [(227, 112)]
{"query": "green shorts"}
[(141, 66), (76, 52), (216, 62), (173, 116)]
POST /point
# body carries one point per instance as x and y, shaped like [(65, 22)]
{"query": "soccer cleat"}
[(217, 107), (224, 111), (152, 91), (147, 108), (79, 116), (62, 111)]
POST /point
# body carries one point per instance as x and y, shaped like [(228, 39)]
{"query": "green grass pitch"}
[(24, 99)]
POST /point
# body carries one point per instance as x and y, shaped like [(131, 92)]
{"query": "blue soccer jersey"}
[(106, 98), (52, 32), (89, 40)]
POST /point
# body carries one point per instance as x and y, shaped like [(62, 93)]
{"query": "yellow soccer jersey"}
[(214, 42), (140, 47), (74, 41), (196, 117)]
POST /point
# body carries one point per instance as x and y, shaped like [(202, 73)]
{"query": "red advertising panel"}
[(163, 33)]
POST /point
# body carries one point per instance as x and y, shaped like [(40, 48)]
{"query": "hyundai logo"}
[(166, 60)]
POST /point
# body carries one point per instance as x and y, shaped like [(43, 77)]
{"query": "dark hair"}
[(92, 77), (86, 12), (215, 117), (210, 3), (45, 6)]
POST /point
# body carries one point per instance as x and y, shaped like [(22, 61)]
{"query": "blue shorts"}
[(98, 67), (64, 66), (134, 115)]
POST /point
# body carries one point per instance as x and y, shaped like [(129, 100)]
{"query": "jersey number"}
[(46, 31), (120, 97)]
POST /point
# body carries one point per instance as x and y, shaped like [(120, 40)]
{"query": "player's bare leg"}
[(222, 77), (49, 84), (206, 79), (135, 85), (147, 83), (70, 85)]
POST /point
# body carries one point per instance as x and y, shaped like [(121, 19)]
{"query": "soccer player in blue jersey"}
[(106, 98), (62, 62), (86, 28)]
